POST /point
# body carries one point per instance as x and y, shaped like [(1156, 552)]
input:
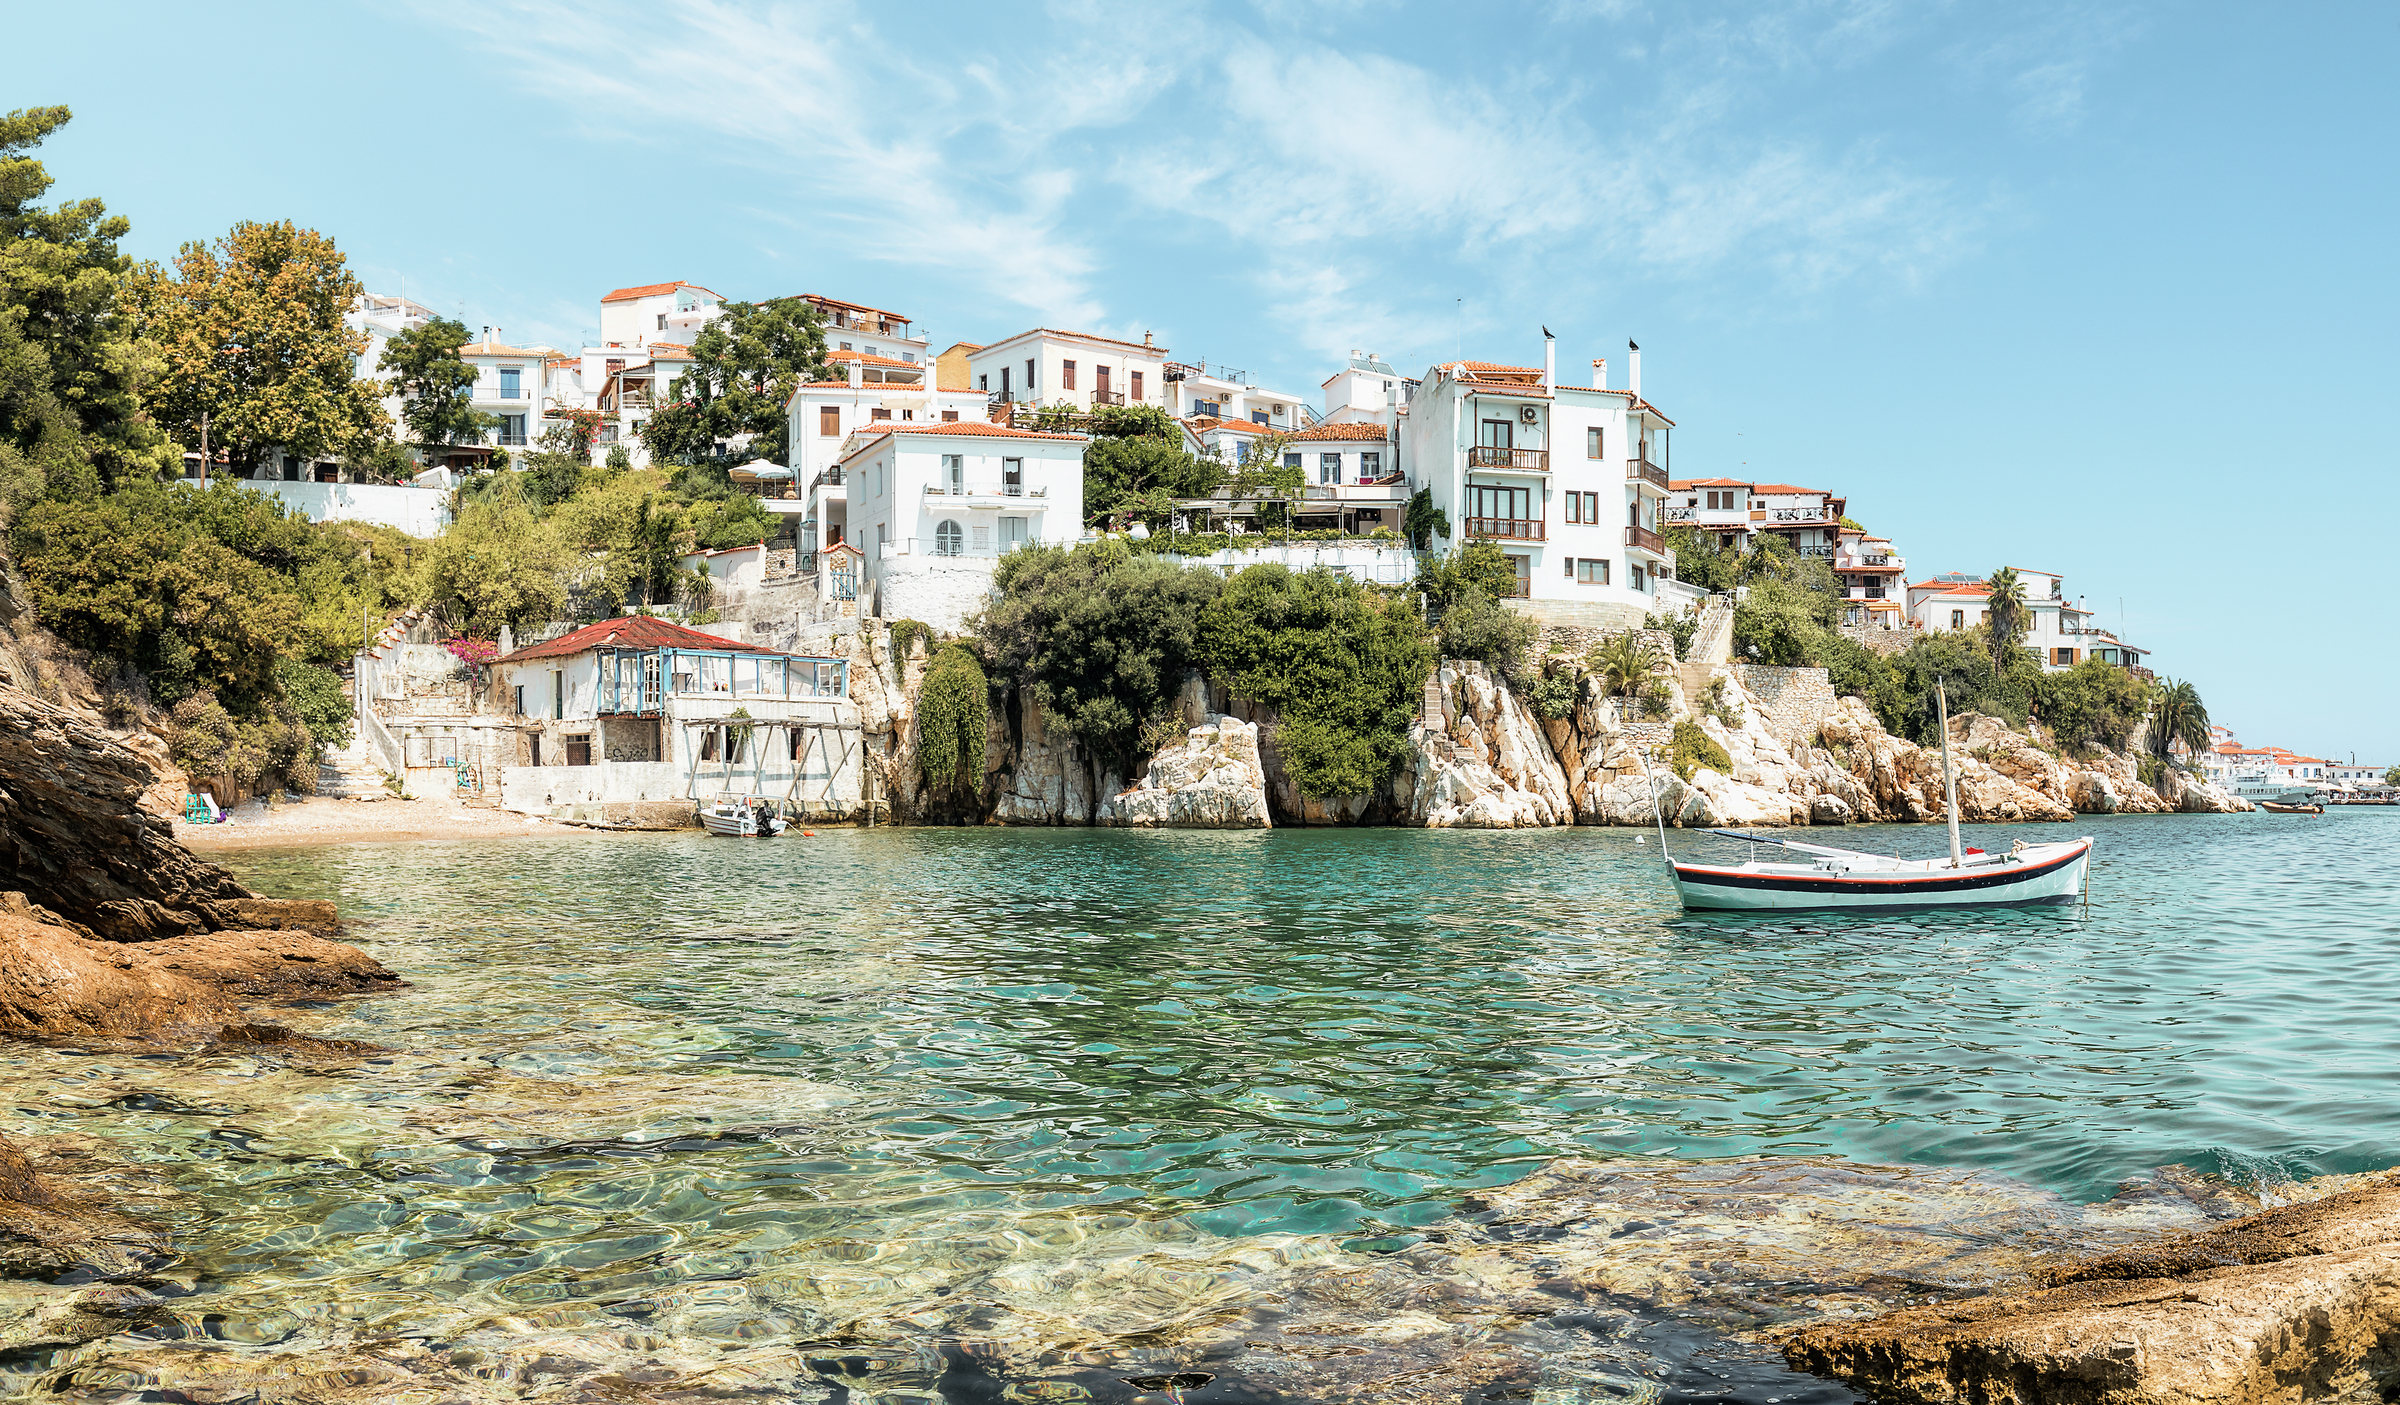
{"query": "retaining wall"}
[(1794, 701)]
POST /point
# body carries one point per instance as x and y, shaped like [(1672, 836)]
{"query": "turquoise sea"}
[(898, 1037)]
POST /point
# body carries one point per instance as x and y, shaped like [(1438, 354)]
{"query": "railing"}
[(513, 440), (1523, 529), (1681, 514), (986, 490), (1867, 592), (1646, 471), (1002, 397), (1642, 538), (1815, 550), (1802, 514), (826, 476), (1878, 560), (1492, 456), (1213, 409), (1108, 397), (510, 392)]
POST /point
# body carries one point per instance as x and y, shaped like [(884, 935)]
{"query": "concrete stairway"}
[(343, 775)]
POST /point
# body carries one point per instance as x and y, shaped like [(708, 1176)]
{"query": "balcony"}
[(1800, 514), (1876, 559), (1107, 397), (1643, 539), (1514, 460), (509, 392), (1820, 550), (1211, 409), (1682, 514), (1866, 592), (1647, 472), (1520, 529), (1015, 496), (513, 441)]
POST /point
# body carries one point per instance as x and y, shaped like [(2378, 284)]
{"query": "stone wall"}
[(1793, 702), (939, 590), (1886, 642), (1602, 616), (1579, 639)]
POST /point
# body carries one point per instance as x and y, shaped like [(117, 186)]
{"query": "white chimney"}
[(1633, 371), (858, 373), (1549, 362), (1600, 374)]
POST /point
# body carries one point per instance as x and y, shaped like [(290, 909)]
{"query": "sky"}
[(2100, 289)]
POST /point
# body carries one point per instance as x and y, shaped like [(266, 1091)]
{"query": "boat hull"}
[(2052, 877)]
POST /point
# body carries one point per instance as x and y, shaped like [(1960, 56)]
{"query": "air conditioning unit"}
[(1529, 413)]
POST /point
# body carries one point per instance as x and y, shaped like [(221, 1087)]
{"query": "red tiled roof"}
[(1156, 351), (1329, 429), (628, 632), (493, 348), (1681, 484), (1954, 587), (1479, 367), (1209, 426), (1788, 488), (885, 313), (652, 290), (976, 429), (864, 358)]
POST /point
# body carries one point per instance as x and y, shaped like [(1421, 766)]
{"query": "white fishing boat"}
[(1848, 879), (742, 819)]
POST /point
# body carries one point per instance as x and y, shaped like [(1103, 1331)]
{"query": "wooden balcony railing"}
[(1108, 397), (1522, 529), (1646, 471), (1521, 460), (1643, 539)]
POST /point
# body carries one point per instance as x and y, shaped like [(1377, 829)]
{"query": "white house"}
[(1193, 391), (932, 507), (669, 312), (823, 415), (1046, 366), (1368, 389), (851, 326), (637, 710), (1570, 481), (1870, 572), (2058, 629), (1953, 600)]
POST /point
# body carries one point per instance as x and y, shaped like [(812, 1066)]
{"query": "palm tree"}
[(1624, 663), (2178, 715), (2004, 617)]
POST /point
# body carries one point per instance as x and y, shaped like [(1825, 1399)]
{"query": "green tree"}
[(497, 564), (1422, 521), (435, 385), (745, 366), (1624, 663), (2004, 614), (2178, 715), (1704, 559), (1343, 665), (1099, 637), (1141, 475), (1475, 626), (71, 371), (1478, 565), (2093, 704), (251, 331), (2392, 776)]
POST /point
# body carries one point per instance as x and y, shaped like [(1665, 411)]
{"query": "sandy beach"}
[(317, 820)]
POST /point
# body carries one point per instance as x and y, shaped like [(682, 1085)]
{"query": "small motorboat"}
[(742, 819), (1845, 878), (2275, 807)]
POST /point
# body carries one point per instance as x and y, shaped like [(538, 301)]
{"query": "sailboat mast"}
[(1941, 699)]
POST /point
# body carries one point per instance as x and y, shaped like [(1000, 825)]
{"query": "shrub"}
[(316, 697), (2093, 704), (954, 719), (1681, 624), (1716, 704), (1624, 663), (1656, 700), (1479, 565), (905, 634), (1693, 749), (1553, 696), (1475, 626)]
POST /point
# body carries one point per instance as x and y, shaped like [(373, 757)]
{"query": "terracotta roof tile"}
[(1331, 430), (1159, 352), (864, 358), (629, 632), (652, 290)]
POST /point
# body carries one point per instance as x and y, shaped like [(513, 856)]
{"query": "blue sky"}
[(2103, 290)]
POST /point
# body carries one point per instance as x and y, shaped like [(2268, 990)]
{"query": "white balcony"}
[(1011, 497)]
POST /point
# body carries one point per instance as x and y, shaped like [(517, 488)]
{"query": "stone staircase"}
[(1711, 648), (347, 775)]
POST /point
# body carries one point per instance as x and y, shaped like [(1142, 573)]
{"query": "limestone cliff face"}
[(1478, 759), (1213, 779)]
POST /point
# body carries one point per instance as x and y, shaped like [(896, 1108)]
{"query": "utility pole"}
[(204, 451)]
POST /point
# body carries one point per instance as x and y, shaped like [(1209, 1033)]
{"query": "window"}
[(873, 350), (512, 384), (662, 325), (1591, 443), (1635, 572), (1583, 507), (909, 356), (1012, 477), (1291, 460), (1370, 465), (1066, 375), (1591, 572), (1004, 382), (1329, 468), (1133, 386), (1574, 507), (512, 429), (949, 416), (520, 700), (1258, 417), (1012, 533), (1030, 382), (947, 539), (579, 750), (558, 694), (1496, 434), (954, 472), (983, 541), (1512, 504), (829, 421), (2062, 656), (709, 747), (908, 414), (984, 384), (1958, 619), (845, 346), (879, 413)]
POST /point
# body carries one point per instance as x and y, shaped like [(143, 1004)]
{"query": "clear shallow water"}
[(824, 1071)]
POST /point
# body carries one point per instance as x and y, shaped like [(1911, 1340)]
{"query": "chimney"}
[(1150, 339), (1633, 368), (508, 640), (1600, 374), (858, 373), (1549, 361)]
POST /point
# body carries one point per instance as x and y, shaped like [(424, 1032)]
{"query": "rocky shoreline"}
[(1478, 757)]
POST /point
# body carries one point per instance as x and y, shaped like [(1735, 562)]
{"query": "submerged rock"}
[(2299, 1303), (59, 983)]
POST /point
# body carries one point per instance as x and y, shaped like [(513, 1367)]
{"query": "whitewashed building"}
[(2059, 629), (1195, 392), (656, 312), (932, 508), (1046, 366), (823, 417), (1570, 481), (870, 331)]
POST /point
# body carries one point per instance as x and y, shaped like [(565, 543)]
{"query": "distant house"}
[(932, 508), (639, 710)]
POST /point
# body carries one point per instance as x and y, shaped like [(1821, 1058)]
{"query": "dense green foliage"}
[(434, 383), (1479, 565), (1342, 664), (1098, 637), (1422, 521), (2180, 716), (2093, 704), (905, 634), (745, 366), (1476, 626), (954, 721), (1693, 750), (1681, 625), (318, 700), (1624, 663), (1702, 558)]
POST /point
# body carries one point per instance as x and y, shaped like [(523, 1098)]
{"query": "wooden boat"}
[(1846, 879), (2276, 808), (739, 819)]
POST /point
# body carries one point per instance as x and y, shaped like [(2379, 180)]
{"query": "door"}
[(1100, 385), (1496, 434)]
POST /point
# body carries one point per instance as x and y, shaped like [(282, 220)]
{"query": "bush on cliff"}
[(954, 719), (1097, 636), (1693, 749), (1343, 665), (2093, 704), (1476, 626)]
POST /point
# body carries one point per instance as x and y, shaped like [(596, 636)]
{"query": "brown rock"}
[(59, 983), (2298, 1303)]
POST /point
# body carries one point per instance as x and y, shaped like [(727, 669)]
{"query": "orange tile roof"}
[(629, 632), (1344, 430), (978, 429), (493, 348), (885, 313), (1157, 351), (1788, 488), (668, 351), (652, 290), (1479, 367), (1681, 484), (1953, 587), (865, 359), (1209, 426)]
